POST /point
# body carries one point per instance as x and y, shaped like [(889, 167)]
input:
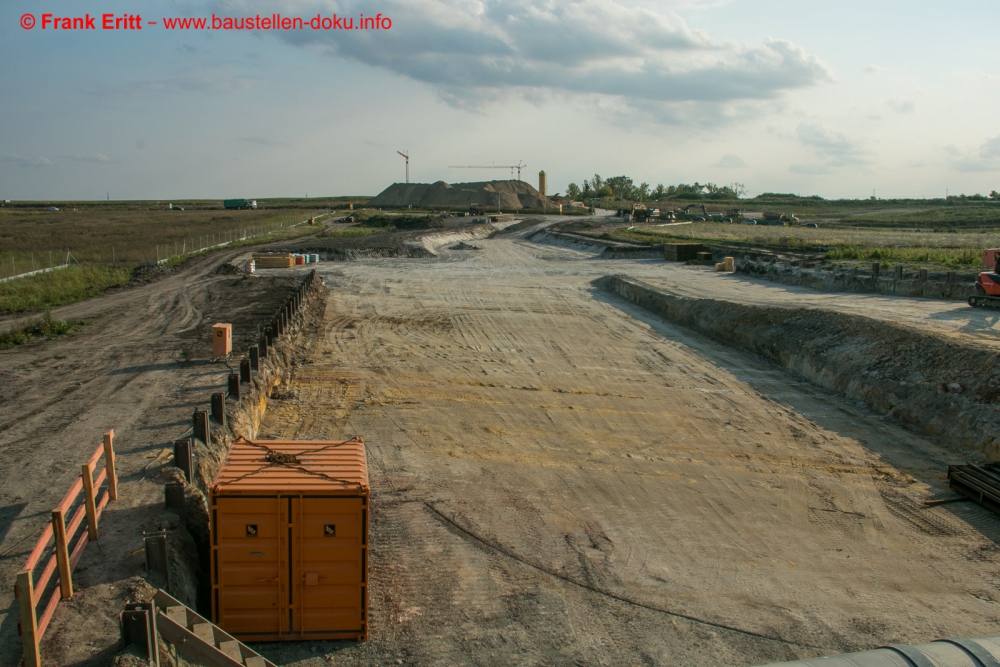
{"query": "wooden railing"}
[(86, 500)]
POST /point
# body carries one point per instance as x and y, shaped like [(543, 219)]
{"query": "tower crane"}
[(407, 156), (519, 166)]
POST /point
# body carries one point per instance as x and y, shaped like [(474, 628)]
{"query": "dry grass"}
[(34, 237)]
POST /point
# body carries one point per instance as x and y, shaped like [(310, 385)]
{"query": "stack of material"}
[(729, 264), (704, 256), (276, 261), (681, 252), (980, 484)]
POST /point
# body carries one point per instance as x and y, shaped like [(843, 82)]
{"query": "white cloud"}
[(833, 147), (874, 69), (990, 148), (21, 161), (489, 49), (730, 161), (900, 105)]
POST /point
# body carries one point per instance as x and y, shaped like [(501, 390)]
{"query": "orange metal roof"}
[(310, 466)]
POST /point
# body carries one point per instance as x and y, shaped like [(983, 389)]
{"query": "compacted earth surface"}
[(558, 476)]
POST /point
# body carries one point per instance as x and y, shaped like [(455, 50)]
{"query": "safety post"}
[(28, 626), (62, 554), (109, 464), (89, 500)]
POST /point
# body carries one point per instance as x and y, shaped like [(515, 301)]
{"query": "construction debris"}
[(488, 195)]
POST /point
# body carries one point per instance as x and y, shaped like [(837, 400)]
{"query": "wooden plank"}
[(50, 609), (62, 554), (77, 553), (109, 464), (74, 491), (40, 545), (89, 502), (191, 645), (97, 455), (25, 591), (50, 567)]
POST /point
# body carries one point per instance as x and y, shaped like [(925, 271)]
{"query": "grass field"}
[(954, 249), (105, 241)]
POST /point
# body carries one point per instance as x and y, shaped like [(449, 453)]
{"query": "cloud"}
[(874, 69), (833, 147), (990, 148), (213, 78), (26, 162), (809, 169), (97, 158), (730, 161), (900, 105), (988, 158), (262, 141), (489, 49)]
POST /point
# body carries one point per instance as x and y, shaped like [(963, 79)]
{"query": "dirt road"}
[(562, 478), (141, 367)]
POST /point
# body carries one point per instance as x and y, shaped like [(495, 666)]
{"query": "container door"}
[(333, 564), (247, 543)]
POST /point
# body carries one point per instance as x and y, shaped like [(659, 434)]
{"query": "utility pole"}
[(406, 155)]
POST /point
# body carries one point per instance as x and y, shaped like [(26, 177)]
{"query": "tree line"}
[(623, 187)]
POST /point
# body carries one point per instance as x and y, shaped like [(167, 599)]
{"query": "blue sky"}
[(830, 98)]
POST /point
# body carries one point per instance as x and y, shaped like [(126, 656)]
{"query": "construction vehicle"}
[(639, 213), (704, 211), (772, 216), (247, 204), (988, 283), (476, 209), (735, 214)]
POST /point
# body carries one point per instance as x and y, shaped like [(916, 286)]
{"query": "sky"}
[(837, 98)]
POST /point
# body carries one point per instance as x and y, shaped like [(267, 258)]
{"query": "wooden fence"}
[(83, 503)]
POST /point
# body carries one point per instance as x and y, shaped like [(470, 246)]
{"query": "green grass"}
[(58, 288), (949, 249), (355, 232), (45, 328)]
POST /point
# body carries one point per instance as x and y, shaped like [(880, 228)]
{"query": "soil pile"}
[(514, 195)]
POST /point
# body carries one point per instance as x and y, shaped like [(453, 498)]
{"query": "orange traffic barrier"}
[(89, 499)]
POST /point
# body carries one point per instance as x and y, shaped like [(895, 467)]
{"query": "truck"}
[(237, 204), (476, 209)]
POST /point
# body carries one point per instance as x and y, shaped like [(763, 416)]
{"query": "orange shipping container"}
[(289, 533)]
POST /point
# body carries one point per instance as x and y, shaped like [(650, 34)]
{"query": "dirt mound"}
[(514, 195)]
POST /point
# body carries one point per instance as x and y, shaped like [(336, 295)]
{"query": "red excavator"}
[(988, 283)]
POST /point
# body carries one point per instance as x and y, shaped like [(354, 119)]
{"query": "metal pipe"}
[(955, 652)]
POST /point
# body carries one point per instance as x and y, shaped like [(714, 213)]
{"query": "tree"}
[(573, 191), (995, 195), (738, 189), (606, 191), (643, 191), (620, 185), (660, 192), (597, 182)]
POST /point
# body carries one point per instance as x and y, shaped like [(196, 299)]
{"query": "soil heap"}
[(514, 195)]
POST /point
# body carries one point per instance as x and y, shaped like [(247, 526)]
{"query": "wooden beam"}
[(109, 464), (89, 502), (25, 592), (62, 554)]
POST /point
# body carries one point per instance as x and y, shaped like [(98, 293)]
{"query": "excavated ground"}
[(562, 477)]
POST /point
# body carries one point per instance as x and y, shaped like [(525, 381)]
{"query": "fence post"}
[(24, 590), (62, 554), (88, 501), (109, 464)]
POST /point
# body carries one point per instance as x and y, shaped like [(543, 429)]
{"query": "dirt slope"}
[(513, 195)]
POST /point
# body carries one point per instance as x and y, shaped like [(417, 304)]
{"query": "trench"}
[(945, 389), (189, 546)]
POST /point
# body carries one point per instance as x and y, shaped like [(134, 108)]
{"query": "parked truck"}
[(246, 204)]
